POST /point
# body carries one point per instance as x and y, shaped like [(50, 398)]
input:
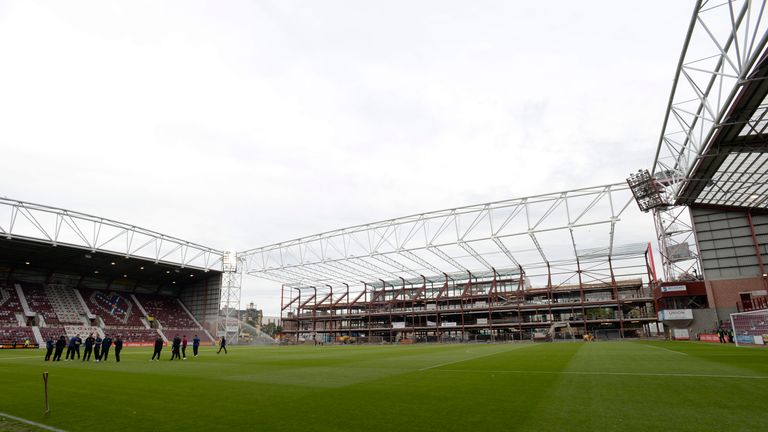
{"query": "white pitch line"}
[(31, 423), (26, 357), (607, 373), (665, 349), (473, 358)]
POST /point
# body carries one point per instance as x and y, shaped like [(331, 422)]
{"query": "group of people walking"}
[(93, 345), (178, 347), (100, 348)]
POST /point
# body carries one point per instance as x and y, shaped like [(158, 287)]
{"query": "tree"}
[(271, 329)]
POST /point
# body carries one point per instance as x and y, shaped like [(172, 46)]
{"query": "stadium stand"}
[(72, 330), (9, 335), (172, 317), (167, 311), (135, 335), (64, 310), (114, 309), (170, 334), (65, 303), (9, 306), (38, 302), (52, 332)]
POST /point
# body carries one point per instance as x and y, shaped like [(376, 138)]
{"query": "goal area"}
[(750, 328)]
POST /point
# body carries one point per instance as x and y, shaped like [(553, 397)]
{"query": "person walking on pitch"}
[(78, 342), (118, 348), (176, 344), (105, 344), (88, 347), (222, 345), (70, 349), (60, 344), (97, 348), (48, 348), (158, 348), (184, 347), (195, 345)]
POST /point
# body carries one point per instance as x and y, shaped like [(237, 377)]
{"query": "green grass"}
[(605, 386)]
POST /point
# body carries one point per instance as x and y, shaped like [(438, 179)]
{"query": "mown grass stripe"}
[(605, 373)]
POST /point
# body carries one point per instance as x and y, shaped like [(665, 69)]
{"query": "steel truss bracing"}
[(37, 223), (712, 143), (55, 226), (721, 60), (532, 237), (489, 306), (677, 243)]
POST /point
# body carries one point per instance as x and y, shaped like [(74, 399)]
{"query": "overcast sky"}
[(242, 123)]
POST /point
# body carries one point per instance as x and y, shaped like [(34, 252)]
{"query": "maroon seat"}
[(116, 309), (167, 311), (9, 306), (38, 302), (9, 335)]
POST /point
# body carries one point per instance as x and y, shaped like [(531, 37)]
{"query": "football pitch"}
[(570, 386)]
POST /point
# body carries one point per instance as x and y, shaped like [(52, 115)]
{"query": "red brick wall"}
[(725, 293)]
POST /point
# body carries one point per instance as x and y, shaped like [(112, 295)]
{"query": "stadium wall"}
[(733, 249)]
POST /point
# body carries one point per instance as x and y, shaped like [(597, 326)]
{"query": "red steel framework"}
[(490, 307)]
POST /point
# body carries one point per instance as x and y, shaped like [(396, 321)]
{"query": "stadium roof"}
[(25, 255), (537, 236), (51, 226), (713, 149)]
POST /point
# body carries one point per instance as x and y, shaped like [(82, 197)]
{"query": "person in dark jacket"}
[(175, 346), (48, 348), (222, 345), (71, 349), (118, 347), (97, 348), (88, 347), (158, 348), (105, 344), (60, 344), (78, 342), (195, 345), (184, 347)]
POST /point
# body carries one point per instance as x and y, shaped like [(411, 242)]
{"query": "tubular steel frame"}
[(720, 56), (55, 226), (480, 239), (490, 307), (722, 47)]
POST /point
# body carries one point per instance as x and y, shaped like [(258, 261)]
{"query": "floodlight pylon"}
[(231, 293)]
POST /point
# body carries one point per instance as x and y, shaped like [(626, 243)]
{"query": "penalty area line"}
[(665, 349), (31, 423), (473, 358)]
